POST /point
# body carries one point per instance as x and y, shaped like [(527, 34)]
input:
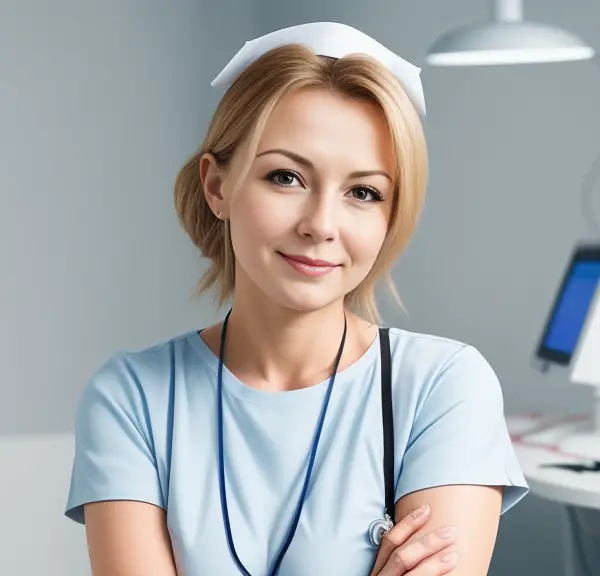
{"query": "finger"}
[(399, 534), (408, 556), (436, 565)]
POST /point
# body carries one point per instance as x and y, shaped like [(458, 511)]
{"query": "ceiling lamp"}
[(507, 40)]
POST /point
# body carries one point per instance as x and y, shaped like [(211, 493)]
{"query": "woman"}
[(255, 445)]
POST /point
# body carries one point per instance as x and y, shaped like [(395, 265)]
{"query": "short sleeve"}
[(114, 453), (459, 435)]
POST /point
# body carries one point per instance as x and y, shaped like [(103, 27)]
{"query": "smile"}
[(308, 266)]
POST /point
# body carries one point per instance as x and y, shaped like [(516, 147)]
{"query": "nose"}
[(319, 218)]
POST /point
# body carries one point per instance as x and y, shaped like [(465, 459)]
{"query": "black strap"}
[(388, 420)]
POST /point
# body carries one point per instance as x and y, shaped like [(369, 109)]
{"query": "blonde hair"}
[(241, 116)]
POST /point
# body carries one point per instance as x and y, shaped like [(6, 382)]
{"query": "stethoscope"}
[(378, 527)]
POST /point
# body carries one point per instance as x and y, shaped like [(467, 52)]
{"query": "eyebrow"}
[(305, 162)]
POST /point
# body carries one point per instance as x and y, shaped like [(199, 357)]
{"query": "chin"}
[(306, 300)]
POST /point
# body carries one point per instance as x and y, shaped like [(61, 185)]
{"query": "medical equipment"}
[(571, 337)]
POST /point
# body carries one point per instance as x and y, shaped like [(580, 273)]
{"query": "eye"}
[(366, 194), (283, 178)]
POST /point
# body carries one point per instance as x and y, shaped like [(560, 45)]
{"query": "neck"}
[(274, 348)]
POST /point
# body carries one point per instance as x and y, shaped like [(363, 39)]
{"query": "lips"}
[(308, 267), (309, 261)]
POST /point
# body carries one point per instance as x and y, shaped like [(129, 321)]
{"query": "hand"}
[(424, 557)]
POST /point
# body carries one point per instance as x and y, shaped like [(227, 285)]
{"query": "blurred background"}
[(102, 102)]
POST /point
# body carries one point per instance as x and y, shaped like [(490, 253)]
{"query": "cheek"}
[(364, 241), (257, 220)]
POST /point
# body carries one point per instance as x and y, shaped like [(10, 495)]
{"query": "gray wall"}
[(101, 104), (102, 101), (509, 149)]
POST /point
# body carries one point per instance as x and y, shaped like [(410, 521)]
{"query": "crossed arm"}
[(131, 538), (473, 510)]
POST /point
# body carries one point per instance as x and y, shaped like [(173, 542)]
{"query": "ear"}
[(212, 178)]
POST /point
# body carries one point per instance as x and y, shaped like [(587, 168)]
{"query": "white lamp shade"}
[(507, 43)]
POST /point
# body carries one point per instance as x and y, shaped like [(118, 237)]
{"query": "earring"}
[(219, 215)]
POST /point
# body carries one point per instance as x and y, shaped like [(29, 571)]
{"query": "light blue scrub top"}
[(146, 430)]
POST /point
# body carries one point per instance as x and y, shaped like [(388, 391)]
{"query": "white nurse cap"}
[(327, 39)]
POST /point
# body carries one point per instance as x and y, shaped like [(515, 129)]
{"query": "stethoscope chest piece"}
[(379, 528)]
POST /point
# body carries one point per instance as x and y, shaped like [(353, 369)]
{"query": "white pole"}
[(586, 360), (508, 10), (596, 414)]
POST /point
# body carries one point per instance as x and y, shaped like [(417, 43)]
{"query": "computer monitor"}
[(571, 306)]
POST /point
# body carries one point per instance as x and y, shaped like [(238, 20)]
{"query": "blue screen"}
[(573, 305)]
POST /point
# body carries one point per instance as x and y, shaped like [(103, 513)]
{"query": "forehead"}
[(321, 124)]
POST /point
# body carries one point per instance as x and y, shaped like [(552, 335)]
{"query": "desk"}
[(579, 493), (563, 486)]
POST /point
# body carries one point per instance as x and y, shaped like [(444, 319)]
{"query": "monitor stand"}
[(586, 443)]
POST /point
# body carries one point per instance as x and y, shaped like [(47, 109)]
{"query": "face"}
[(310, 215)]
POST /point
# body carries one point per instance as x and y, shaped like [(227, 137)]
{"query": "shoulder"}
[(427, 353), (448, 367), (123, 427), (138, 376), (452, 428), (424, 348)]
